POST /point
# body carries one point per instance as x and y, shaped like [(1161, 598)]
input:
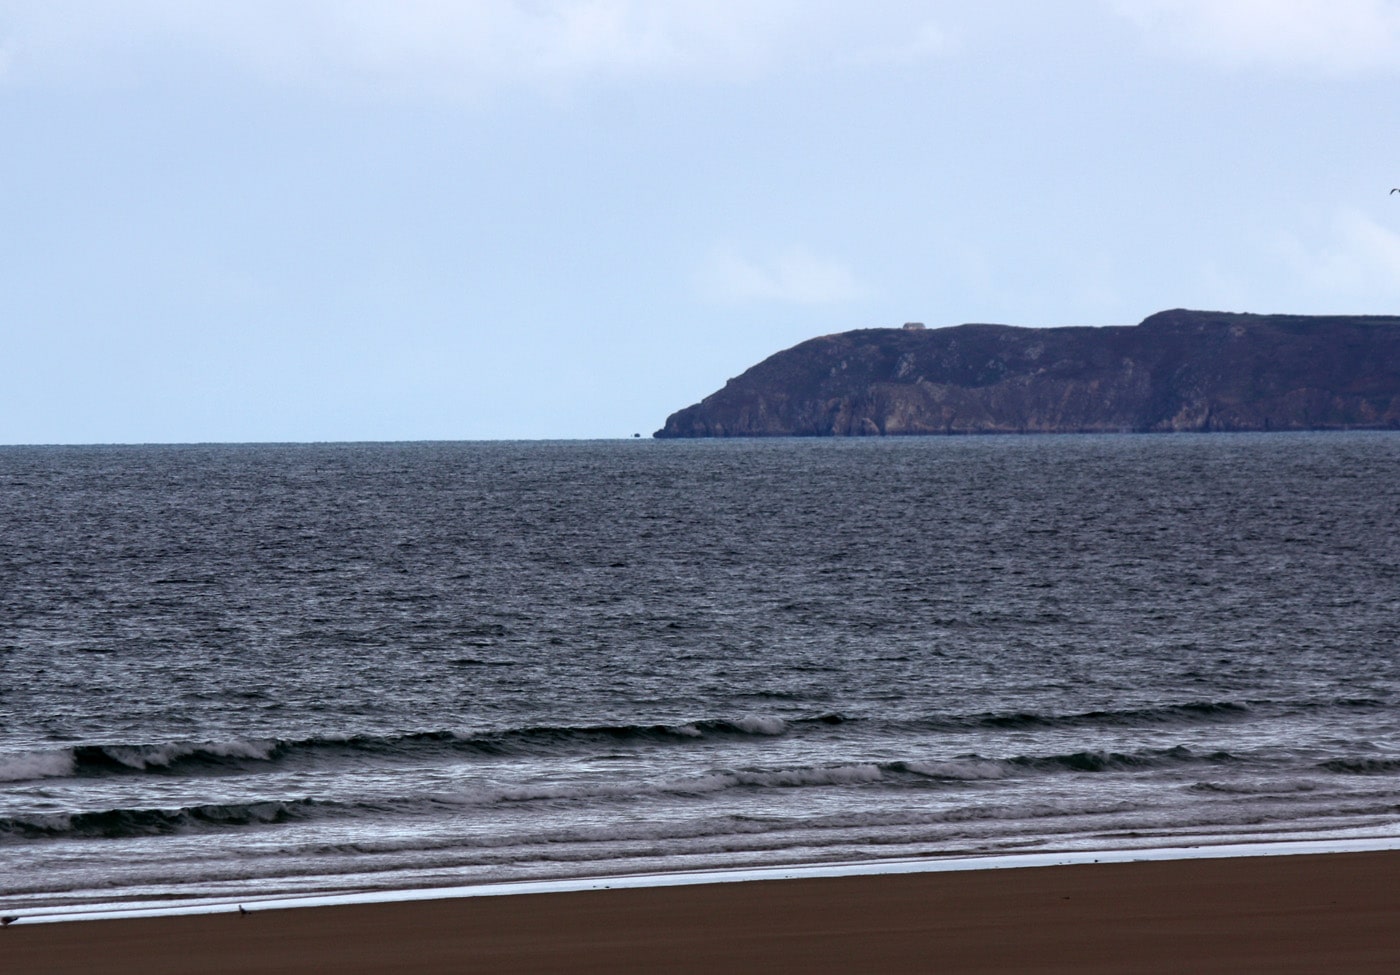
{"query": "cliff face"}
[(1178, 370)]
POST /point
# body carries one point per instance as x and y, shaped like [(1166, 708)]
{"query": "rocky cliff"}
[(1178, 370)]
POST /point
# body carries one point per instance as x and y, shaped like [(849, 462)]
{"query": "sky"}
[(348, 220)]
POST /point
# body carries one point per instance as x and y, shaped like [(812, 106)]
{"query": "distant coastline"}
[(1178, 370)]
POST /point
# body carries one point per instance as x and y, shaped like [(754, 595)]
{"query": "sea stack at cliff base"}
[(1178, 370)]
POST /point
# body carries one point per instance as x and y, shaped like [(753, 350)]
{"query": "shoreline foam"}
[(1203, 914), (864, 868)]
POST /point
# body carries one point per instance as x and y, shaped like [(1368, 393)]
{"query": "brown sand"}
[(1321, 913)]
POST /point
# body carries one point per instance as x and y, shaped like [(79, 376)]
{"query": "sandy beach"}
[(1303, 913)]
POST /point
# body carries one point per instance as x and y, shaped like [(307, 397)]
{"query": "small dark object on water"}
[(242, 911), (8, 920)]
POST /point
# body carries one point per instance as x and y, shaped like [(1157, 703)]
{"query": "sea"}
[(248, 671)]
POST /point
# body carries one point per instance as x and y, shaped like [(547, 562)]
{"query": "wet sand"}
[(1307, 913)]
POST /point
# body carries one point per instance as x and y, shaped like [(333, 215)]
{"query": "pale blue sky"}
[(408, 219)]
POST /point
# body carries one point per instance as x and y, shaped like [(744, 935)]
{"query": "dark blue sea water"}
[(242, 670)]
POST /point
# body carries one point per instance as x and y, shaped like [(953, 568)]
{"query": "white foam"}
[(258, 749), (832, 775), (756, 725), (695, 785), (967, 770), (95, 912), (36, 765), (164, 755)]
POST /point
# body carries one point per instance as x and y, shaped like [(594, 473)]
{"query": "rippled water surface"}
[(244, 669)]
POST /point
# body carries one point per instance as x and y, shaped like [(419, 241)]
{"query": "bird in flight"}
[(1396, 190)]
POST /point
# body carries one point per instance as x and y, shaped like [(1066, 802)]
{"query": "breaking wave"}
[(187, 758), (118, 823), (195, 758), (111, 823)]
